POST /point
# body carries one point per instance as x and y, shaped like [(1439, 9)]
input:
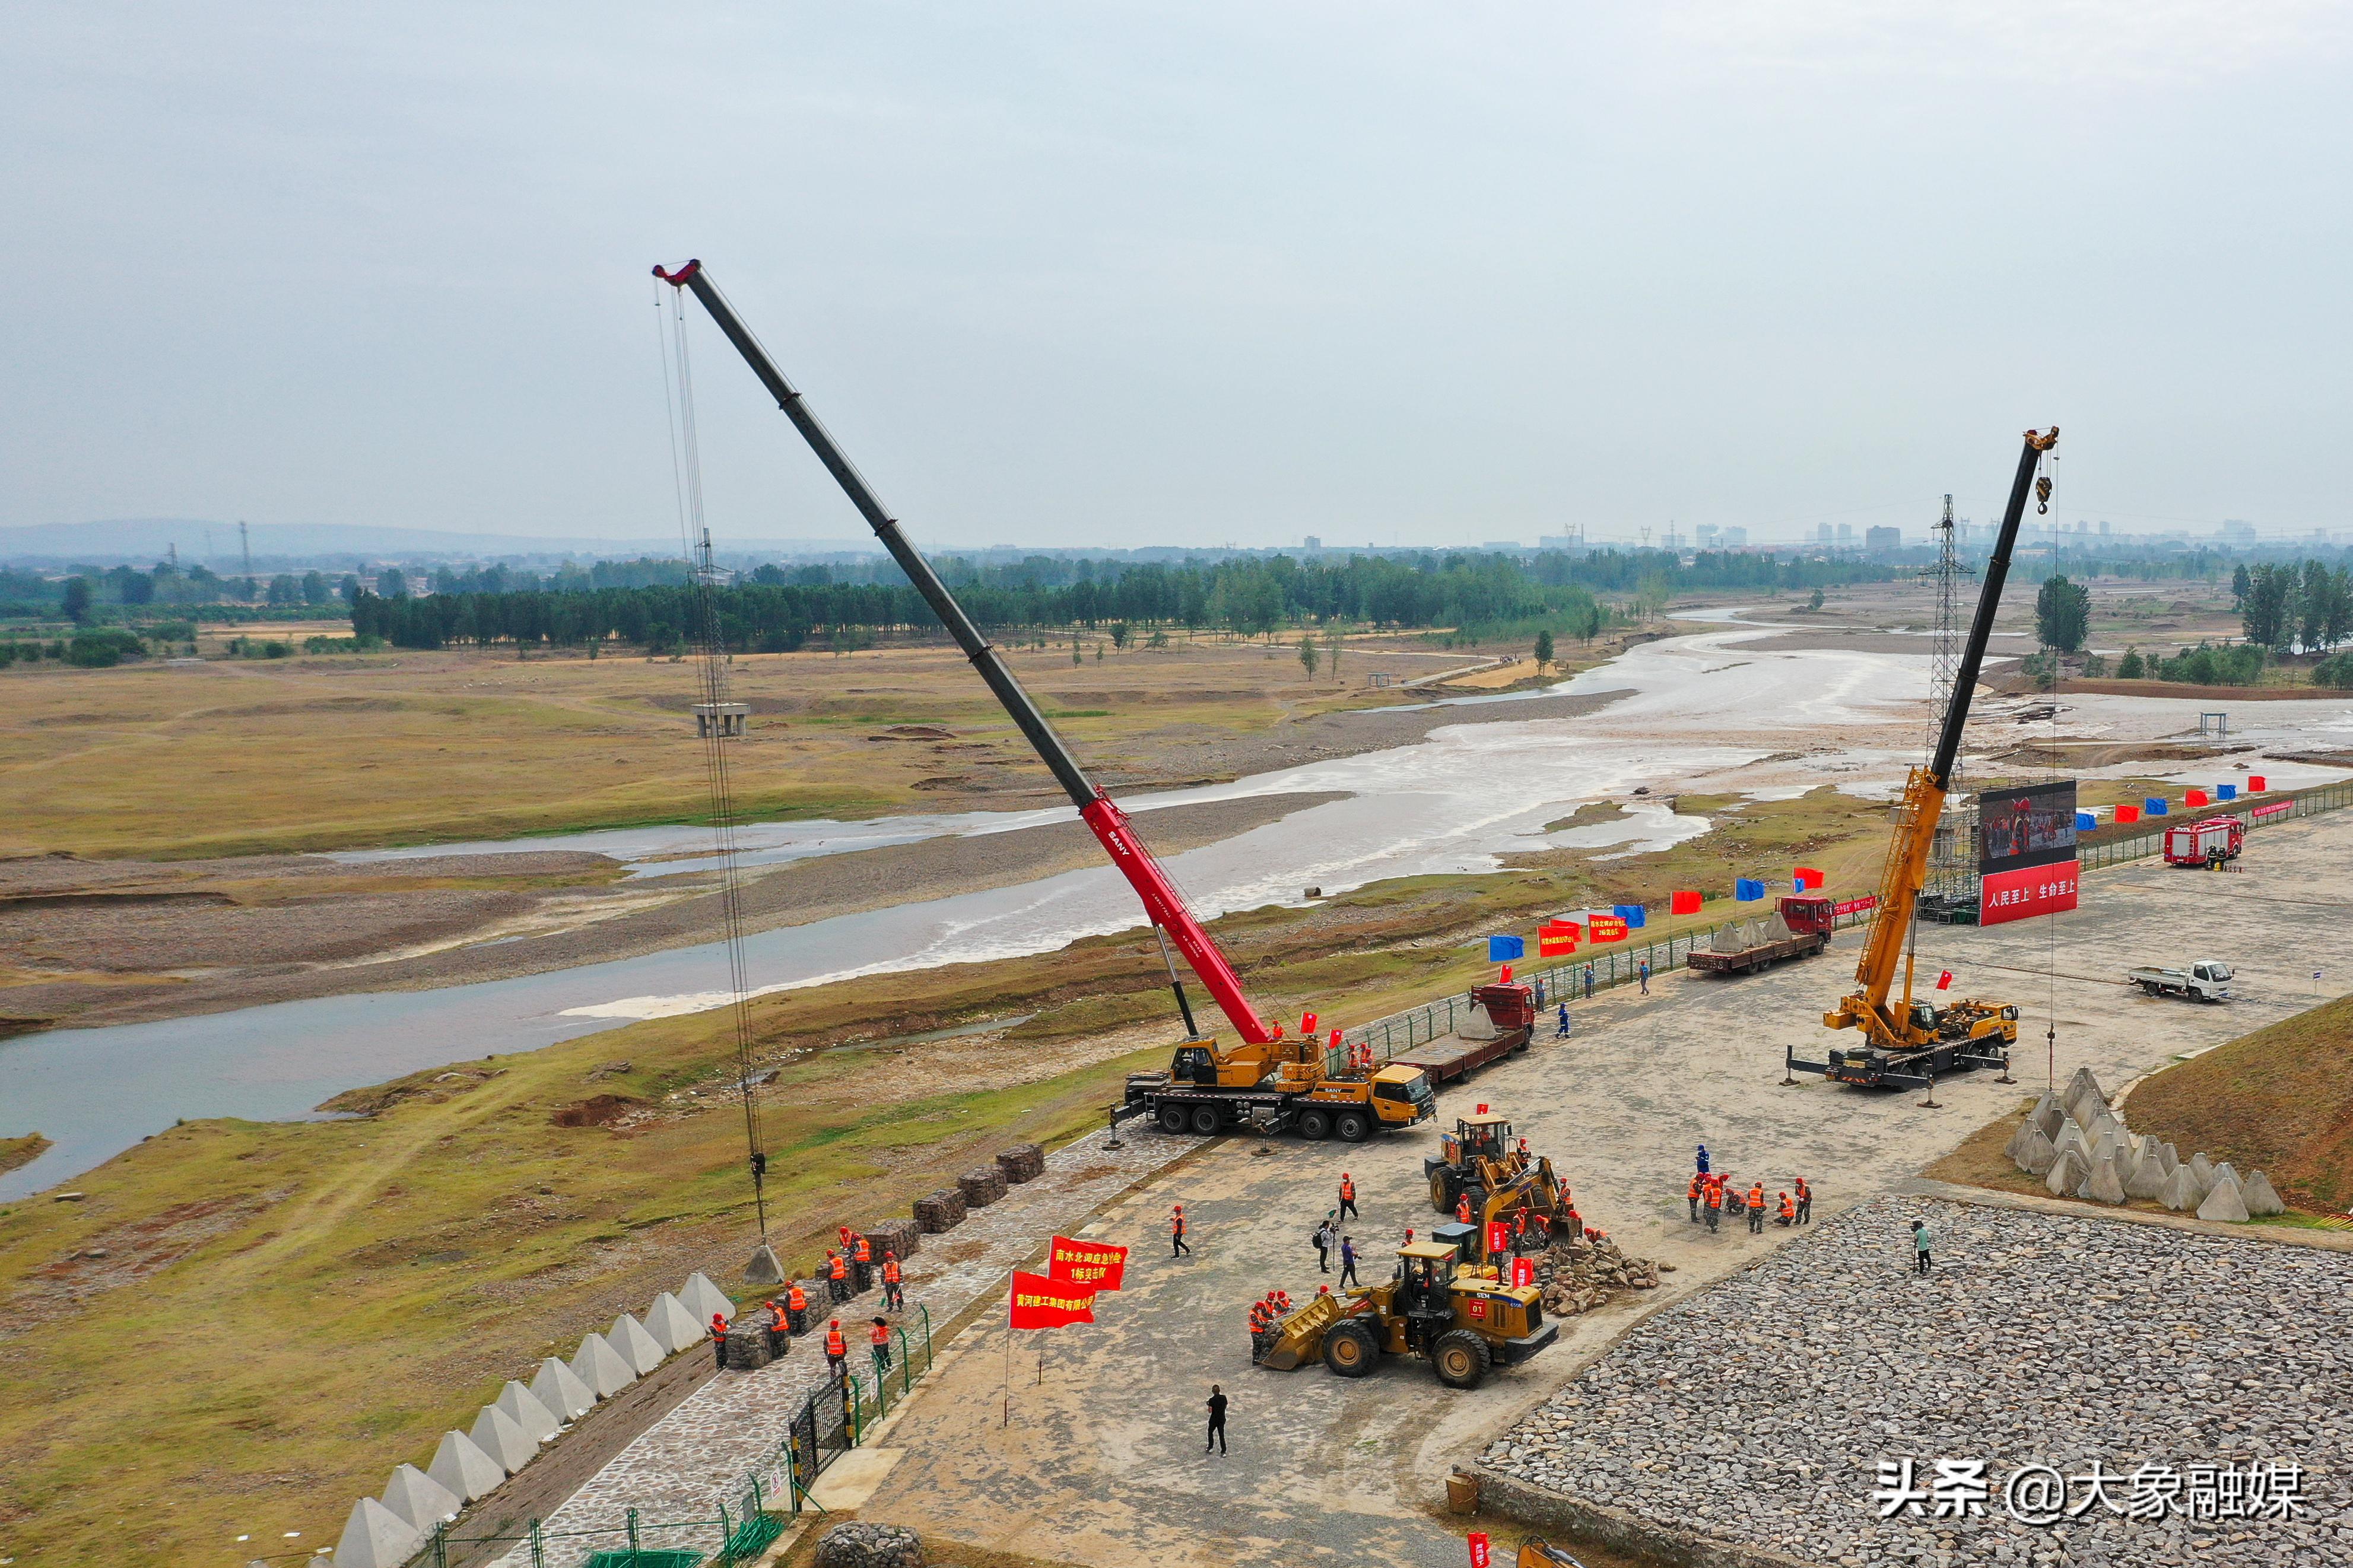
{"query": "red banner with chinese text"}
[(1038, 1302), (1856, 906), (2026, 892), (1607, 928), (1089, 1265)]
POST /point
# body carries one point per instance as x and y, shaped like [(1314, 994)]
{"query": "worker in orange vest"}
[(1282, 1303), (1789, 1215), (837, 1276), (1715, 1204), (719, 1338), (861, 1261), (1805, 1202), (796, 1309), (1177, 1246), (1348, 1198), (1575, 1223), (893, 1278), (878, 1340), (837, 1350), (845, 1240), (1462, 1208), (1756, 1209), (1257, 1325), (1691, 1195), (780, 1333)]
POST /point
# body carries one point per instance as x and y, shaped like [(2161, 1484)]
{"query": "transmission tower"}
[(1952, 855), (245, 549)]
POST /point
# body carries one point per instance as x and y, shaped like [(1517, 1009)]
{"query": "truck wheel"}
[(1205, 1120), (1352, 1126), (1460, 1358), (1172, 1119), (1350, 1352), (1314, 1126), (1442, 1190)]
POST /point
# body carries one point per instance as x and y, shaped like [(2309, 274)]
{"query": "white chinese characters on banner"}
[(2039, 1494)]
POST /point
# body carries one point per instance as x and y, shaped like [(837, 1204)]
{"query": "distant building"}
[(1845, 536), (1558, 541), (1313, 545), (1883, 539), (1504, 546), (1824, 535), (2103, 527), (1735, 538), (2238, 532)]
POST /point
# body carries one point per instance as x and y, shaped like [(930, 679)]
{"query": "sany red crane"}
[(1163, 904)]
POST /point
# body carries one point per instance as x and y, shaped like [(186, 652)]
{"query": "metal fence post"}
[(633, 1532), (538, 1546)]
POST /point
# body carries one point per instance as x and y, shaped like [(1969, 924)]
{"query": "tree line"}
[(2287, 606)]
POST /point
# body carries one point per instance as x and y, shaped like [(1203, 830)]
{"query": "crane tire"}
[(1442, 1190), (1352, 1126), (1206, 1120), (1315, 1125), (1350, 1350), (1460, 1359), (1171, 1117)]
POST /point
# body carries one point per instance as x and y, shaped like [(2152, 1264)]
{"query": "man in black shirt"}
[(1217, 1421)]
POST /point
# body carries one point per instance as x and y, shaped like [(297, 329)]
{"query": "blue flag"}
[(1631, 913), (1743, 888), (1504, 949), (2085, 822), (2154, 806)]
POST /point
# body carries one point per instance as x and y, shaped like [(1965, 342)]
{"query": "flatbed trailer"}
[(1502, 1020), (1800, 929)]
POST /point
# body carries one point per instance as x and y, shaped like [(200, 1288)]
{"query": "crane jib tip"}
[(678, 280)]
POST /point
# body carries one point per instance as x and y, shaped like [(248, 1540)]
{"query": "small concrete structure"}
[(2165, 1152), (2067, 1173), (639, 1347), (460, 1465), (566, 1396), (501, 1436), (700, 1297), (2201, 1171), (2224, 1205), (671, 1325), (2033, 1152), (2181, 1191), (523, 1408), (419, 1498), (2147, 1179), (725, 719), (2259, 1197), (765, 1268), (2047, 1114), (2227, 1170), (2106, 1187), (376, 1537), (600, 1367)]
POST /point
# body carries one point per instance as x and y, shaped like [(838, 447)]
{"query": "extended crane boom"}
[(1163, 904), (1906, 1044)]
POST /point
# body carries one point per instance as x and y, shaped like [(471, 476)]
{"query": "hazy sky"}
[(1199, 273)]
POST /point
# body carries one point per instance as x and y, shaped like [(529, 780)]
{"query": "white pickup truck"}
[(2206, 981)]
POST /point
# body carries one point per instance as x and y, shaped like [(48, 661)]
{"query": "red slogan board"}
[(2026, 892), (1089, 1265)]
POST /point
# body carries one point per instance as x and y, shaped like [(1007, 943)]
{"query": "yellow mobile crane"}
[(1908, 1044)]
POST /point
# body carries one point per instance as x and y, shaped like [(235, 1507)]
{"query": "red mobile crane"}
[(1206, 1088)]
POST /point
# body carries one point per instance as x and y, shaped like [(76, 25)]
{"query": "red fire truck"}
[(2210, 843)]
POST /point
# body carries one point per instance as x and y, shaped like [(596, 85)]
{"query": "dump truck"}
[(1459, 1319), (2213, 842), (1502, 1020), (2208, 980), (1800, 928)]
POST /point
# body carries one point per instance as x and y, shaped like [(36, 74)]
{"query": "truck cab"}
[(1810, 914)]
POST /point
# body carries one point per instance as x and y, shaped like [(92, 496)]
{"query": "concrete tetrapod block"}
[(2047, 1114), (702, 1297), (671, 1325), (2165, 1154), (2106, 1147), (2224, 1203), (639, 1347), (502, 1436), (2147, 1179), (2257, 1194), (2201, 1171), (566, 1396), (460, 1465), (2105, 1185), (419, 1498), (2223, 1169), (2071, 1139), (2083, 1098), (2035, 1156), (600, 1367), (2067, 1173), (523, 1408), (2181, 1191), (764, 1267), (376, 1537)]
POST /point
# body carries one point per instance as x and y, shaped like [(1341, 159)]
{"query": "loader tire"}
[(1460, 1359), (1350, 1350), (1172, 1119), (1352, 1126), (1315, 1125), (1442, 1190)]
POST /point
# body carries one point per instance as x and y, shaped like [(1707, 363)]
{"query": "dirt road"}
[(1099, 1462)]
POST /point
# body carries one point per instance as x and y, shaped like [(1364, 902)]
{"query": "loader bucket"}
[(1301, 1339)]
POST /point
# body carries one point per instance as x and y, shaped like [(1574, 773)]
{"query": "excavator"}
[(1265, 1081), (1909, 1044)]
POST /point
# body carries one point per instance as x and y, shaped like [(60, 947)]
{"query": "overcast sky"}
[(1198, 273)]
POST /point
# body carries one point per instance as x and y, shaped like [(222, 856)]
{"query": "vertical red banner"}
[(1499, 1237), (1482, 1555), (1523, 1272)]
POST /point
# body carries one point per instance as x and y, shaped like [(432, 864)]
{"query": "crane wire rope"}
[(707, 630)]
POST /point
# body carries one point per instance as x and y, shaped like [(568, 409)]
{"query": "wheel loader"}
[(1480, 1151), (1461, 1320)]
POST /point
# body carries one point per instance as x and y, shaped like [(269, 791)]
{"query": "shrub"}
[(2336, 671), (99, 650)]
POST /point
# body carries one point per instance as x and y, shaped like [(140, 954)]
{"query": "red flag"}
[(1039, 1302), (2195, 797), (1089, 1265), (1945, 981), (2257, 784), (1481, 1554), (1499, 1236), (1685, 903)]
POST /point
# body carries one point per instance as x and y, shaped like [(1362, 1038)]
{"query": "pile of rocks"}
[(2081, 1147), (1578, 1275), (859, 1544)]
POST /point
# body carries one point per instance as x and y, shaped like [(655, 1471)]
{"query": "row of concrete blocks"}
[(387, 1531), (2081, 1147)]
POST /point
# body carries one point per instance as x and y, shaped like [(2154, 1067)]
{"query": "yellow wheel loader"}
[(1459, 1319)]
